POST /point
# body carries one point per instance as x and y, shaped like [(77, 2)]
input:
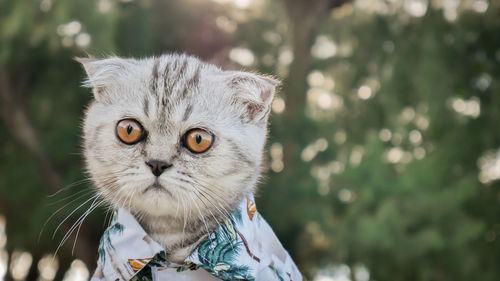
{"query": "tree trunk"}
[(304, 18), (16, 119)]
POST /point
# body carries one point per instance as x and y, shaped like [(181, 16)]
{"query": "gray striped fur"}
[(170, 95)]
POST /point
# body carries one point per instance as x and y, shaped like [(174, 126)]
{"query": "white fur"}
[(220, 103)]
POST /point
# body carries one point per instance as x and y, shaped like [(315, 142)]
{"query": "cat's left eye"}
[(198, 140), (129, 131)]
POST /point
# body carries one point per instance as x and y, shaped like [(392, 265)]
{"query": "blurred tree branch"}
[(16, 118)]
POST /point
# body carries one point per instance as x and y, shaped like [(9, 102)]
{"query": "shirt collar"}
[(241, 248)]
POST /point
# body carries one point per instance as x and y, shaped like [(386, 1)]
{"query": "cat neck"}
[(180, 235)]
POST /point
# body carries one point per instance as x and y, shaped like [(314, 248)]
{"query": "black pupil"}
[(129, 129), (199, 138)]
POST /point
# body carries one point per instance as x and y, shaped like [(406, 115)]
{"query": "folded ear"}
[(103, 74), (253, 93)]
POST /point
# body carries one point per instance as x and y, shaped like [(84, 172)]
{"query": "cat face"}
[(171, 135)]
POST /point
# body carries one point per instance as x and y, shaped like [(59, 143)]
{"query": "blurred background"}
[(384, 152)]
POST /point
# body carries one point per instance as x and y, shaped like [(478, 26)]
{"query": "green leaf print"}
[(237, 215), (276, 273), (116, 228), (187, 266), (219, 252), (146, 274)]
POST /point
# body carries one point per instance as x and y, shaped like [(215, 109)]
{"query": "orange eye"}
[(129, 131), (198, 140)]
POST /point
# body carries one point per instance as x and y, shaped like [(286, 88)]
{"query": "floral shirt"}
[(243, 248)]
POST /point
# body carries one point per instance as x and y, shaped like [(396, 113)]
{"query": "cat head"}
[(171, 135)]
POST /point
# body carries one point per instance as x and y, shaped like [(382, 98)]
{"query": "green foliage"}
[(408, 206)]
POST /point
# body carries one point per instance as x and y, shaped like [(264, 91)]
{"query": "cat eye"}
[(129, 131), (198, 140)]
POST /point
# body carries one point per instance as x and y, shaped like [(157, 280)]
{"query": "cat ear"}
[(254, 94), (103, 74)]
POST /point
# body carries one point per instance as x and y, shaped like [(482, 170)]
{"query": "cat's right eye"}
[(129, 131)]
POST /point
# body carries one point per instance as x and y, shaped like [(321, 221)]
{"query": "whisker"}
[(57, 211), (106, 215), (177, 209), (81, 223), (73, 213), (68, 233), (211, 213), (69, 186), (210, 193), (184, 224), (70, 196), (224, 216), (75, 224), (199, 191), (200, 215)]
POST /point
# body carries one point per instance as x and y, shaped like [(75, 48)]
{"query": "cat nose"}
[(157, 167)]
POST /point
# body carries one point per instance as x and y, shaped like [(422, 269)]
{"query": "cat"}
[(176, 142)]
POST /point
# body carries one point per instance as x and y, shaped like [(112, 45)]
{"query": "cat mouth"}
[(157, 187)]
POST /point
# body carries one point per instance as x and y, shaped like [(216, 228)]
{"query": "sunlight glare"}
[(321, 144), (416, 8), (480, 6), (20, 264), (45, 5), (315, 79), (4, 256), (47, 267), (77, 272), (324, 100), (3, 235), (272, 37), (83, 40), (340, 272), (407, 114), (451, 9), (324, 47), (422, 122), (356, 155), (361, 273), (104, 6), (483, 81), (242, 4), (365, 92), (394, 155), (470, 108), (69, 29), (285, 56), (346, 196), (385, 135), (336, 167), (415, 137), (276, 152), (277, 166), (489, 165), (308, 153), (225, 24), (242, 56), (278, 105), (4, 259)]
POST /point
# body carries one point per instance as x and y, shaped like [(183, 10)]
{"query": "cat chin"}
[(157, 202)]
